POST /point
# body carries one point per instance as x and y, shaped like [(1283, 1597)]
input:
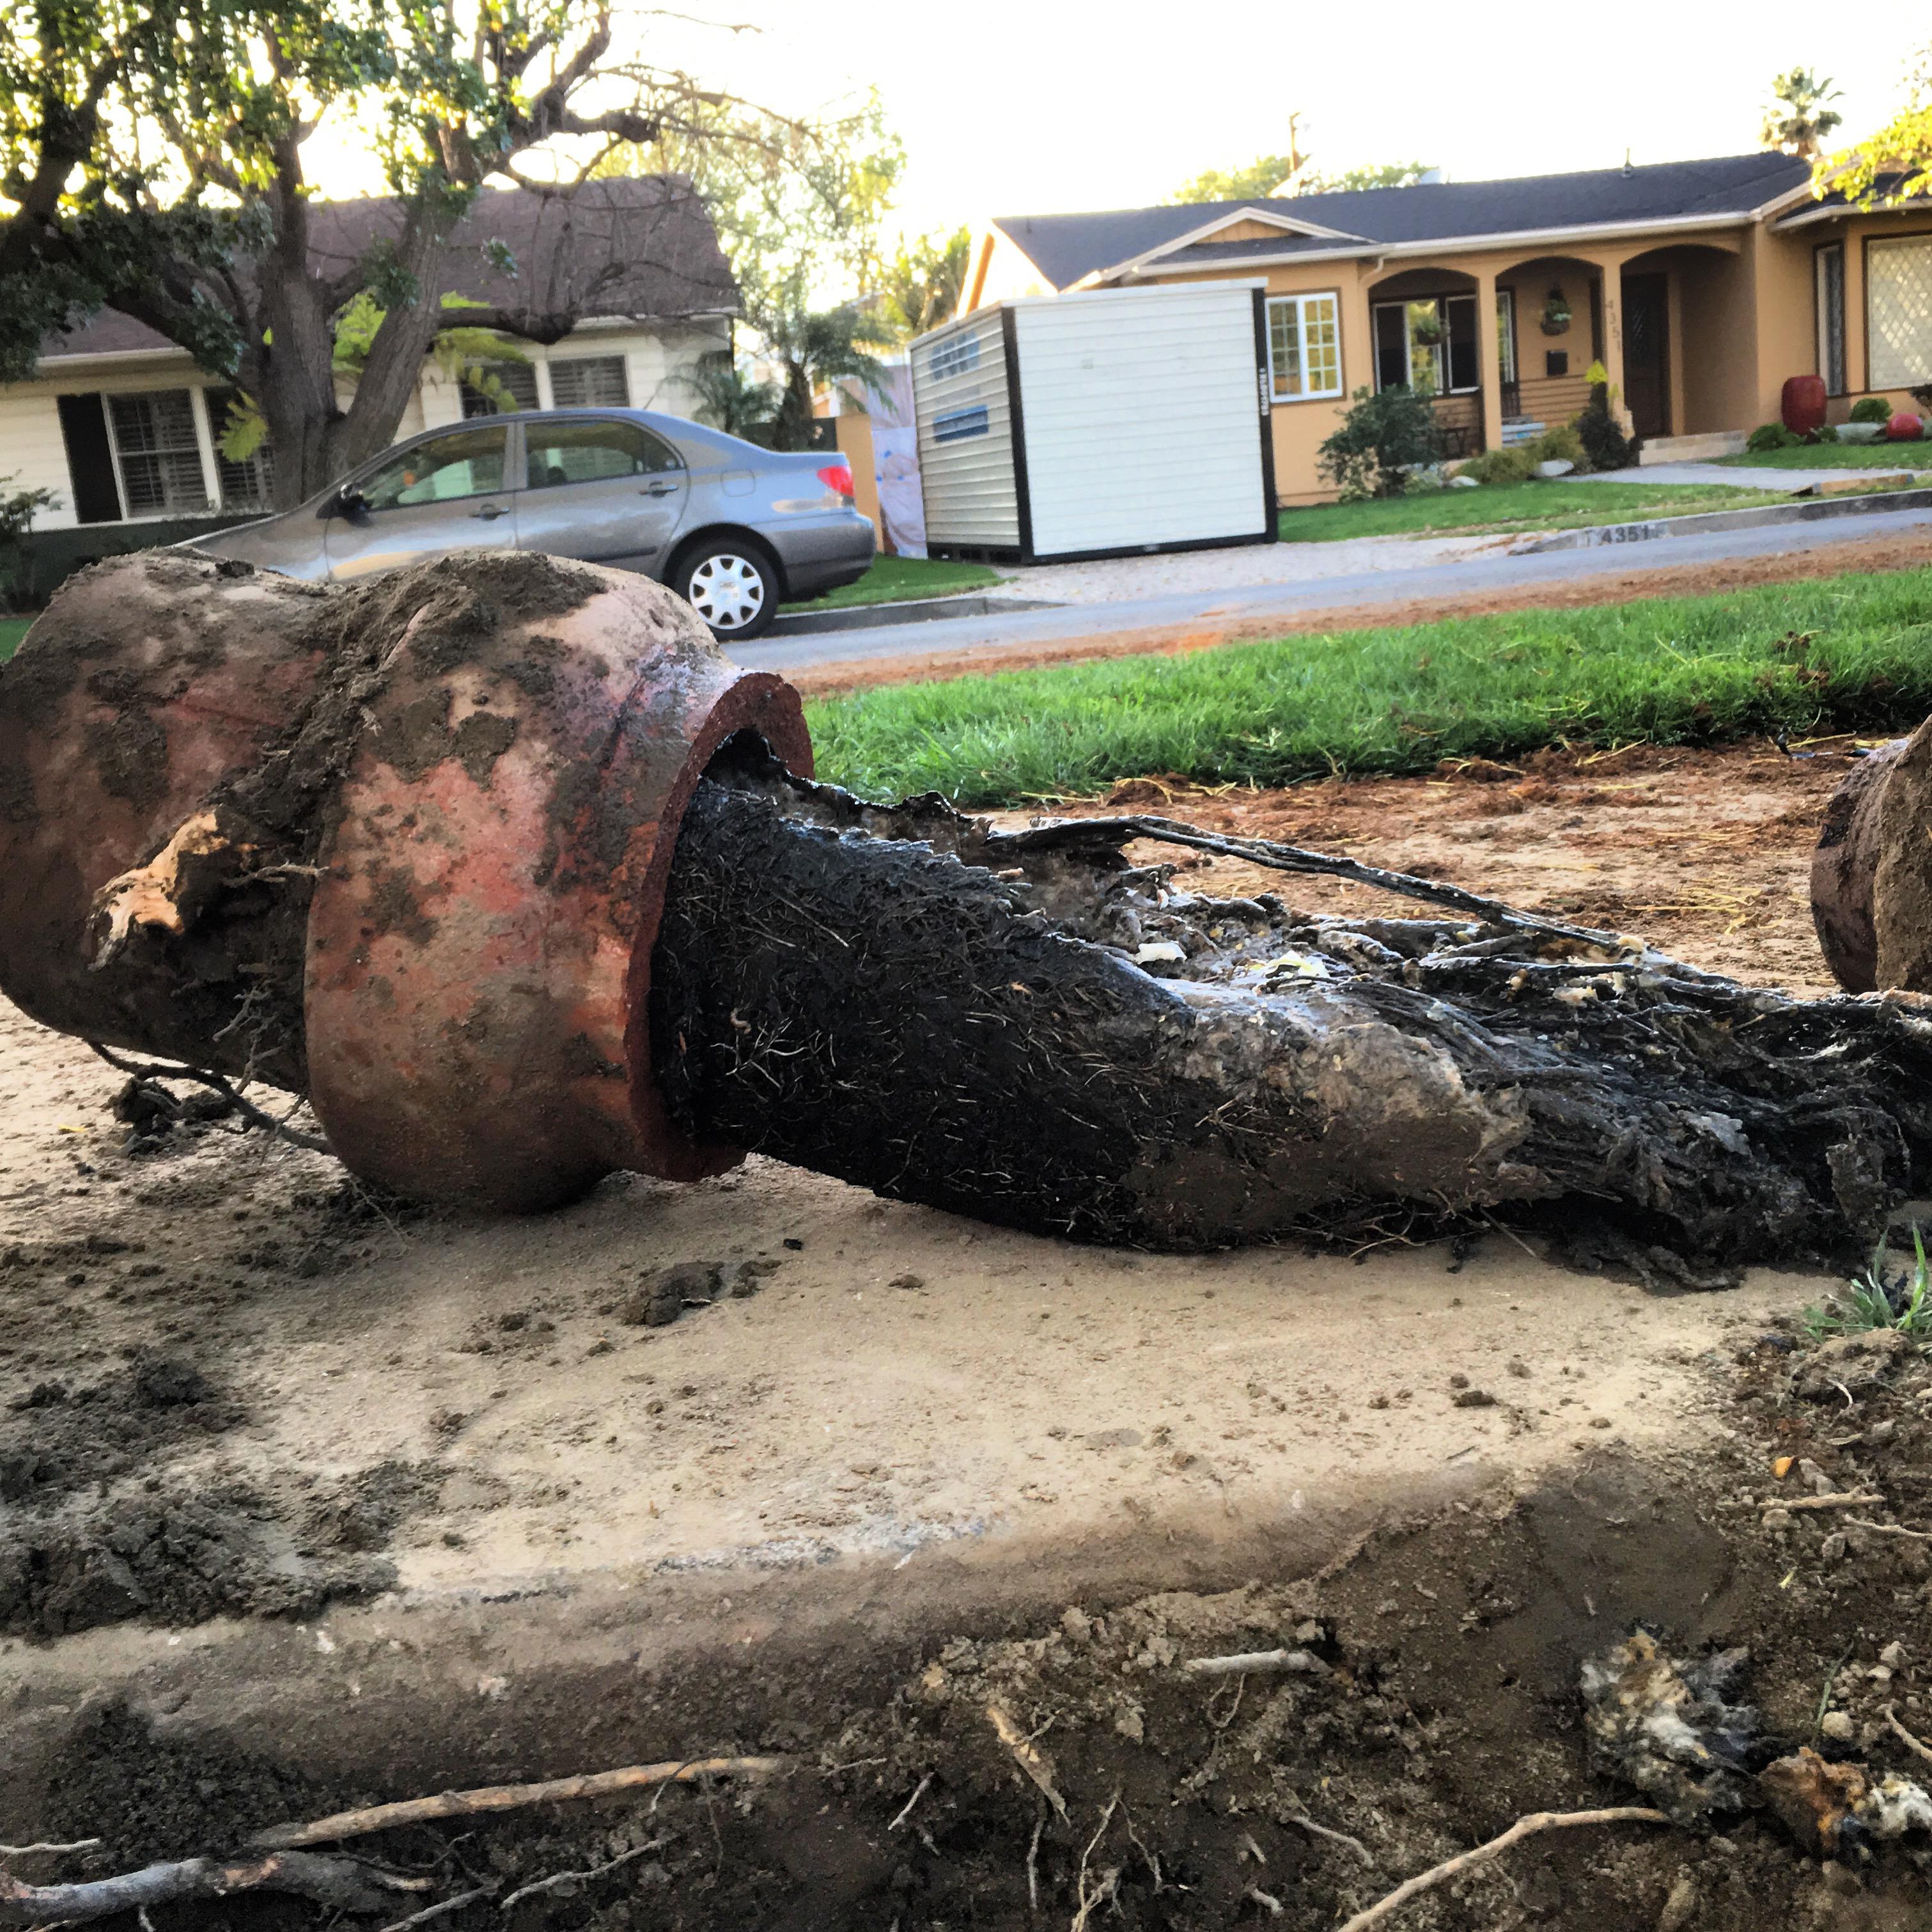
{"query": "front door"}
[(599, 488), (1647, 353), (447, 493)]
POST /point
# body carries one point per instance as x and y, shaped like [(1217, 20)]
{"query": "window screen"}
[(592, 452), (159, 453), (590, 383), (1830, 262), (468, 463), (1304, 346), (1898, 299), (506, 386)]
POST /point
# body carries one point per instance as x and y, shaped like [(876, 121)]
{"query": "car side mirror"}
[(347, 501)]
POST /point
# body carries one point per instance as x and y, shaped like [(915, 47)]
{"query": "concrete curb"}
[(1810, 510), (872, 616)]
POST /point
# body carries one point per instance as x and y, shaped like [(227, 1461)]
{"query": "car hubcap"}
[(728, 592)]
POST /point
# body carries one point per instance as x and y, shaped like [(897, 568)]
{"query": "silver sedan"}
[(734, 529)]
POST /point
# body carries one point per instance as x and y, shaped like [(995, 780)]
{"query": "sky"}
[(1031, 106), (1034, 106)]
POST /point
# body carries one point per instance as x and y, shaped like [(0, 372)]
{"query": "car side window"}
[(467, 463), (592, 452)]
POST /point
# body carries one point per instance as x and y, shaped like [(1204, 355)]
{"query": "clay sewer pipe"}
[(518, 741)]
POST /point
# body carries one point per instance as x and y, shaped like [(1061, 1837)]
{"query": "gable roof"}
[(641, 246), (1068, 248)]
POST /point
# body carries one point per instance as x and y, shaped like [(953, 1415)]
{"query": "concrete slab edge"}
[(1809, 510)]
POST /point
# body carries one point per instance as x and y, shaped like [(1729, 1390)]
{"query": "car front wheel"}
[(732, 587)]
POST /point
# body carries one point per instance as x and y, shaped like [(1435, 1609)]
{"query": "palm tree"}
[(1798, 120), (730, 399), (819, 348), (920, 287)]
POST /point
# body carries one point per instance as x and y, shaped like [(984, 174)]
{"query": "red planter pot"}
[(1904, 428), (1802, 404)]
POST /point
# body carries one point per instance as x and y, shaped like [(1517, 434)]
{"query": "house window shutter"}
[(90, 458)]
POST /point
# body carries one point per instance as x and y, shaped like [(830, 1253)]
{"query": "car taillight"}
[(837, 476)]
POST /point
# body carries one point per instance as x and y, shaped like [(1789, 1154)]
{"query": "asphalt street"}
[(1021, 630)]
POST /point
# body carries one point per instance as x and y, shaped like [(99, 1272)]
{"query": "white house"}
[(123, 426)]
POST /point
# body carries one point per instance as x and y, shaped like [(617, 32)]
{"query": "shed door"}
[(1141, 419)]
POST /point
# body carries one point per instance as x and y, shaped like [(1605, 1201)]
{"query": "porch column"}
[(1490, 359), (1612, 351)]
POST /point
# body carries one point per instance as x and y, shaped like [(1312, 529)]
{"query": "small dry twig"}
[(1033, 1863), (28, 1851), (918, 1793), (247, 1109), (1888, 1529), (442, 1910), (1355, 1845), (509, 1797), (1030, 1761), (1261, 1663), (1523, 1828), (1091, 1902), (1267, 1901), (1844, 1499), (1905, 1736), (558, 1880)]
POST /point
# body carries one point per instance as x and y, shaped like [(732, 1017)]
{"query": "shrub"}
[(1560, 445), (1824, 433), (17, 511), (1512, 465), (1385, 435), (1602, 436), (1770, 435), (1871, 409)]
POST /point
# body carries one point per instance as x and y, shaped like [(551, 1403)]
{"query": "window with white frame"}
[(1304, 347), (247, 482), (589, 382), (1898, 311), (157, 453)]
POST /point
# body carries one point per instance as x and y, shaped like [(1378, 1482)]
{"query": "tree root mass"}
[(1027, 1028)]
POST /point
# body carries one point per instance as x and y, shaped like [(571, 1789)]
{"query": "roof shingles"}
[(641, 246), (1066, 248)]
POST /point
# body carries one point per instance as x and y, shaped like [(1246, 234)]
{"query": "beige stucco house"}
[(1701, 286), (124, 428)]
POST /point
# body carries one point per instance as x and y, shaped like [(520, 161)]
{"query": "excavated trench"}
[(312, 1500)]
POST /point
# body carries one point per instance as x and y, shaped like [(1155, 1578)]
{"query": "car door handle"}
[(490, 511), (658, 489)]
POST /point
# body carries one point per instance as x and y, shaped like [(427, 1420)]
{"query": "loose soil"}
[(479, 1502), (1612, 585)]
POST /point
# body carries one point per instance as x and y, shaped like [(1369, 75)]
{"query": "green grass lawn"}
[(893, 578), (1556, 505), (1668, 671), (12, 630), (1837, 456)]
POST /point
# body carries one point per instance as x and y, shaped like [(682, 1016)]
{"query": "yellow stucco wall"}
[(1741, 318)]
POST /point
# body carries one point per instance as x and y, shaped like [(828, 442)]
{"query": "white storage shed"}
[(1104, 423)]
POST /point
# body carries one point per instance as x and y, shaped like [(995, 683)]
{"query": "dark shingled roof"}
[(1066, 247), (1884, 188), (641, 246)]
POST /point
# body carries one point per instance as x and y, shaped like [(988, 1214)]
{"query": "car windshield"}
[(590, 452), (467, 463)]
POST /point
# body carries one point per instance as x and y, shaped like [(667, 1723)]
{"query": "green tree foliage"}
[(1259, 180), (153, 155), (919, 287), (1797, 118), (798, 207), (1389, 174), (731, 399), (1386, 434), (1895, 165)]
